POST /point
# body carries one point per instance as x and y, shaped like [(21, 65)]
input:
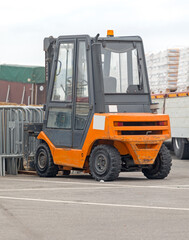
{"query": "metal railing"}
[(12, 137)]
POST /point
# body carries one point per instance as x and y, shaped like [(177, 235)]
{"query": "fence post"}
[(2, 166), (13, 142)]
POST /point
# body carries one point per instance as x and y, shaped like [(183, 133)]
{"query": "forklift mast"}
[(48, 47)]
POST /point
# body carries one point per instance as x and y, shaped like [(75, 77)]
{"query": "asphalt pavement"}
[(78, 207)]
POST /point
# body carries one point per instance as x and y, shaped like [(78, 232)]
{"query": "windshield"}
[(121, 68)]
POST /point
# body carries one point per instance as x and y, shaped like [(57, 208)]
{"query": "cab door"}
[(83, 92), (60, 108)]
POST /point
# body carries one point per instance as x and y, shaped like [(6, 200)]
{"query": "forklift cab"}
[(91, 75)]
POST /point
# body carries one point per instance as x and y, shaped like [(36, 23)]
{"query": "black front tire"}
[(162, 166), (181, 148), (105, 163), (44, 164)]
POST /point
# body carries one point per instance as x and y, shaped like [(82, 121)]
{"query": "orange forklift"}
[(99, 117)]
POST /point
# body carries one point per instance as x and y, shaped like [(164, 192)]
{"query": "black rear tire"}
[(162, 166), (44, 164), (181, 148), (105, 163)]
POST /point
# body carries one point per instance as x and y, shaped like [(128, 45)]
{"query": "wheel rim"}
[(101, 163), (42, 160)]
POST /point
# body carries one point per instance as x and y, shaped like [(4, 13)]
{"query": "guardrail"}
[(12, 137)]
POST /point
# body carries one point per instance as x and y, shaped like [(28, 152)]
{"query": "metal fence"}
[(12, 137)]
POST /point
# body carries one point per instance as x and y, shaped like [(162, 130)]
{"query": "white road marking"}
[(104, 184), (49, 189), (53, 181), (61, 182), (95, 204), (85, 188)]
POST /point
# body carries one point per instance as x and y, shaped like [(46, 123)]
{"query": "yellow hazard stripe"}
[(170, 95)]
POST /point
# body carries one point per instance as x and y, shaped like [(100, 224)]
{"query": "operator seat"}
[(110, 85)]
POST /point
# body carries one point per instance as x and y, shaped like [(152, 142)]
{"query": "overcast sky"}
[(24, 24)]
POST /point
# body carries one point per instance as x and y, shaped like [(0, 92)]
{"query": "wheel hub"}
[(42, 160), (101, 164)]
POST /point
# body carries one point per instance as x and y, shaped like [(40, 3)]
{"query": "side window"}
[(59, 118), (62, 90), (118, 80), (135, 67), (82, 93)]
